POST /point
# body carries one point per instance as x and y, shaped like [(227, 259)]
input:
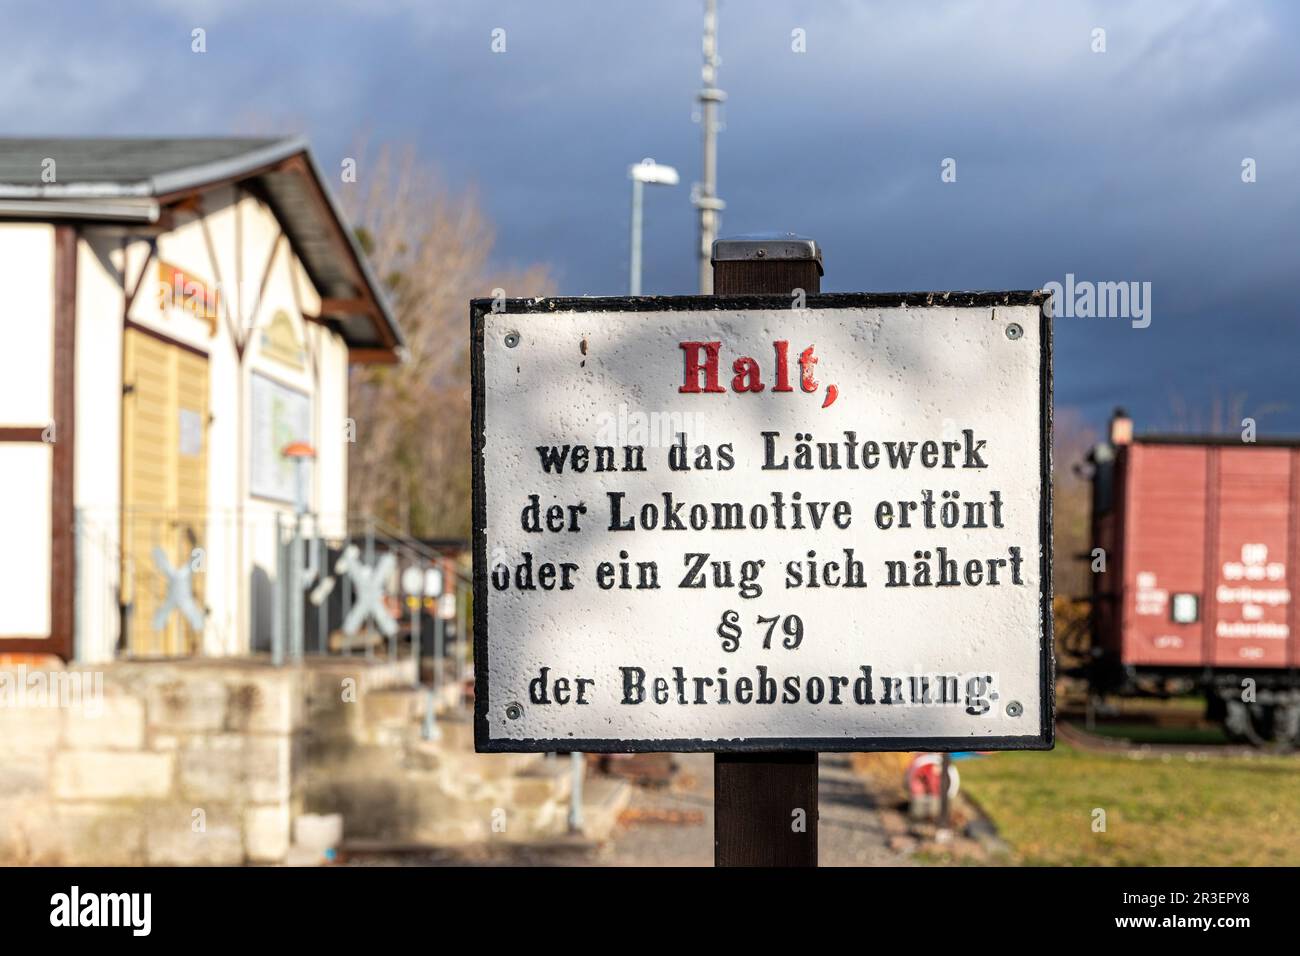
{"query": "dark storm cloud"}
[(1115, 166)]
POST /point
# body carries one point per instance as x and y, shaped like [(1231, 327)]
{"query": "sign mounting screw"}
[(1014, 709), (1014, 331), (512, 339), (514, 711)]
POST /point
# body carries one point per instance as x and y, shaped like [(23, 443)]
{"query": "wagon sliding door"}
[(1251, 595), (164, 487)]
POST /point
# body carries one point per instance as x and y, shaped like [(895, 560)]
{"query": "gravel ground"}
[(851, 831), (673, 826), (667, 826)]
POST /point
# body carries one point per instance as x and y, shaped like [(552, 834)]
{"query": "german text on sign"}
[(707, 524)]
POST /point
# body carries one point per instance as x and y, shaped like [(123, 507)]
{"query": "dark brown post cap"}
[(767, 246)]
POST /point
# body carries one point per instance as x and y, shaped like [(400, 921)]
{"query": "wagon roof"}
[(1234, 439)]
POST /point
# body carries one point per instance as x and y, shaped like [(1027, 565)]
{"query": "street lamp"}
[(302, 455), (300, 574), (646, 171)]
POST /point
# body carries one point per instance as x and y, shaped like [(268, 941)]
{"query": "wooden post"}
[(765, 804)]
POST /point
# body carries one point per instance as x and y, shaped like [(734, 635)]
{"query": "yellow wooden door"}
[(164, 486)]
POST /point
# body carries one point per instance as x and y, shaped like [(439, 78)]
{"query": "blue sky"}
[(1115, 166)]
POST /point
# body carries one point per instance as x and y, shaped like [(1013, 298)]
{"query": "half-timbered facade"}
[(177, 313)]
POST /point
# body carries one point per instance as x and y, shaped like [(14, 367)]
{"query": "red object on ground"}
[(924, 774)]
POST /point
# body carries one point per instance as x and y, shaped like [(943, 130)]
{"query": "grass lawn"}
[(1175, 812), (1211, 736)]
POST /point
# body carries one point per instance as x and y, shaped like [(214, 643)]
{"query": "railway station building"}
[(179, 311)]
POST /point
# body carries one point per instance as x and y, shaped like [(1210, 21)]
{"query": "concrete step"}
[(449, 697), (395, 706), (603, 800), (457, 733), (430, 819), (541, 782), (432, 755), (392, 785)]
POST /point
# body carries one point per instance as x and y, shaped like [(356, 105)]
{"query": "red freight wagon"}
[(1200, 538)]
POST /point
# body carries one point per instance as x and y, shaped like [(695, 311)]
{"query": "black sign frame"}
[(1043, 739)]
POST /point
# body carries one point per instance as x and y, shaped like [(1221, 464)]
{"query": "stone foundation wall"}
[(184, 762), (211, 762)]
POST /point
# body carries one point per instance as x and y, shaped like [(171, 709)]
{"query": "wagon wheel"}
[(1274, 729), (1076, 637), (1238, 736), (1286, 725), (1216, 711)]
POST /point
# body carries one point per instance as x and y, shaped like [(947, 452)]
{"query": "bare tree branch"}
[(410, 466)]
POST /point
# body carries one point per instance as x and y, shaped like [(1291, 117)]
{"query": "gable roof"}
[(137, 180)]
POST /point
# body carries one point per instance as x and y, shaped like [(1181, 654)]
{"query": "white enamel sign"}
[(714, 523)]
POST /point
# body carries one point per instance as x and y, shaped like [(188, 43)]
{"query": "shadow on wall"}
[(261, 610)]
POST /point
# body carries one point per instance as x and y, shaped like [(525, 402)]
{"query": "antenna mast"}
[(705, 196)]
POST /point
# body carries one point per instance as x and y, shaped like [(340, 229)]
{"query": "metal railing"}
[(164, 584), (370, 589)]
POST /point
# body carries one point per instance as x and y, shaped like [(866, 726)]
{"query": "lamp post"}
[(646, 171), (705, 194), (302, 455)]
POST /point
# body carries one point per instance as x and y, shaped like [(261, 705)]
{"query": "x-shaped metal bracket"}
[(180, 594), (369, 602)]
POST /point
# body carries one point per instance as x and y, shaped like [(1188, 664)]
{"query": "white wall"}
[(185, 247), (25, 549), (26, 399), (236, 558), (331, 444), (97, 465), (27, 323)]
